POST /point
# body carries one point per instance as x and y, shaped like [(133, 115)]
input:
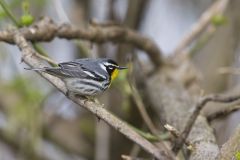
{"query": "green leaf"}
[(27, 20), (219, 20), (237, 155)]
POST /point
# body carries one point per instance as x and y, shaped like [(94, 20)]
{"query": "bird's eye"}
[(110, 67)]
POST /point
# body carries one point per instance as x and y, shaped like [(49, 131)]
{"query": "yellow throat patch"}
[(114, 74)]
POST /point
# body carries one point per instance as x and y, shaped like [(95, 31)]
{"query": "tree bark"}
[(172, 101)]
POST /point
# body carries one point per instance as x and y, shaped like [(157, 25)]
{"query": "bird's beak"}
[(120, 68)]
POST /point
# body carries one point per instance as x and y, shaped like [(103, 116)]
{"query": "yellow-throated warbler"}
[(86, 77)]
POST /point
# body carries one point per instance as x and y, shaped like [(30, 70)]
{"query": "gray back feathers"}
[(80, 68)]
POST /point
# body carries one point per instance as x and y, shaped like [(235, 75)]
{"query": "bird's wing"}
[(69, 65), (79, 70), (66, 71)]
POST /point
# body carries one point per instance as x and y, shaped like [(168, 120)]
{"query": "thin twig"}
[(142, 110), (201, 41), (46, 30), (216, 8), (28, 56), (223, 112), (177, 134), (197, 109), (42, 54), (229, 70), (147, 119), (9, 13), (49, 60)]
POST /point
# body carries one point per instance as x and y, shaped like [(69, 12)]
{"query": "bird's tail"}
[(36, 69), (52, 71)]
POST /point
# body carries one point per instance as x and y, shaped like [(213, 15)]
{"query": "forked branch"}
[(197, 109)]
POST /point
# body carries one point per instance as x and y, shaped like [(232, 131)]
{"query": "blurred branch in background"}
[(134, 16), (46, 30), (26, 20), (230, 150), (204, 21), (198, 107), (41, 152), (103, 136), (222, 113), (170, 95), (21, 126), (229, 70), (146, 118), (9, 13)]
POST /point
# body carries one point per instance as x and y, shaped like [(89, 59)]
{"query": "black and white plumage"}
[(87, 77)]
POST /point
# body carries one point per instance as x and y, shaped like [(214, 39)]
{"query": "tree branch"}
[(46, 30), (169, 98), (217, 7), (230, 149), (177, 134), (29, 57), (223, 112), (197, 109)]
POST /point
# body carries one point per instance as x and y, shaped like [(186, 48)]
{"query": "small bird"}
[(85, 77)]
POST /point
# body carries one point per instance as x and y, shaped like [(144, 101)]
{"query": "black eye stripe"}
[(111, 67)]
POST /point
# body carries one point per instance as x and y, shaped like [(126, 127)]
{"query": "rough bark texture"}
[(174, 102), (231, 148)]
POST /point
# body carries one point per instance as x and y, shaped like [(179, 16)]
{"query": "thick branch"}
[(170, 99), (29, 57), (197, 109), (230, 150), (46, 30)]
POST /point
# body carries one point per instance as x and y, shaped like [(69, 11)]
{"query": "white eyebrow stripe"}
[(89, 73), (110, 64)]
